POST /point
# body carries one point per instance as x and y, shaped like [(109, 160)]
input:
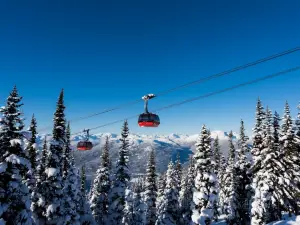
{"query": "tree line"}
[(253, 184)]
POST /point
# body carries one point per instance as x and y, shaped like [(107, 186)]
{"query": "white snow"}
[(294, 220), (51, 172), (15, 142), (14, 159), (3, 167)]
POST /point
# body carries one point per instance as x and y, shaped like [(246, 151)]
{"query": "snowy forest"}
[(254, 184)]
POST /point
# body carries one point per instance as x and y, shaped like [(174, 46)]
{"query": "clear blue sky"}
[(106, 53)]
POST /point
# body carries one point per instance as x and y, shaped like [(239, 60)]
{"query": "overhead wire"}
[(206, 95), (201, 80)]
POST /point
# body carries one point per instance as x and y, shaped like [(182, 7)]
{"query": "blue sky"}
[(106, 53)]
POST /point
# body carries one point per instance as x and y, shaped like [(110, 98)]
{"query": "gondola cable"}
[(206, 95), (227, 72)]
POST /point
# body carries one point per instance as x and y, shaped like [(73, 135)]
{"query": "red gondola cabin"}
[(84, 145), (148, 120)]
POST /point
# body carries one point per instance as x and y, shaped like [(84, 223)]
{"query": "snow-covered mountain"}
[(166, 148)]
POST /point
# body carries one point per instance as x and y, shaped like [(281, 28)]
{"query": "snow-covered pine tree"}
[(50, 196), (135, 207), (186, 195), (289, 156), (243, 180), (31, 152), (266, 181), (14, 165), (216, 155), (258, 134), (230, 184), (83, 180), (66, 155), (37, 206), (178, 170), (31, 148), (168, 210), (120, 183), (221, 180), (205, 193), (161, 184), (151, 190), (297, 137), (276, 128), (83, 207), (101, 187), (70, 190)]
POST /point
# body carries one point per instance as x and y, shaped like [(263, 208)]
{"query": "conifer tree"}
[(121, 179), (289, 156), (161, 184), (168, 210), (186, 195), (31, 148), (83, 180), (67, 151), (14, 165), (258, 134), (101, 187), (205, 193), (221, 181), (217, 155), (37, 205), (83, 208), (265, 182), (276, 128), (230, 184), (31, 152), (243, 180), (50, 196), (134, 208), (151, 190), (178, 170), (70, 190)]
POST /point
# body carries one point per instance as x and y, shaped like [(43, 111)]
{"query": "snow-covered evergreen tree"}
[(217, 155), (66, 155), (120, 183), (289, 156), (32, 148), (71, 190), (178, 171), (83, 180), (135, 207), (205, 193), (243, 180), (276, 128), (83, 208), (14, 165), (31, 152), (161, 184), (266, 179), (101, 187), (186, 195), (230, 184), (150, 190), (50, 196), (221, 181), (257, 211), (168, 210), (38, 201)]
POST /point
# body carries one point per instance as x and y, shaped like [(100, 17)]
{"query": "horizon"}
[(105, 54)]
